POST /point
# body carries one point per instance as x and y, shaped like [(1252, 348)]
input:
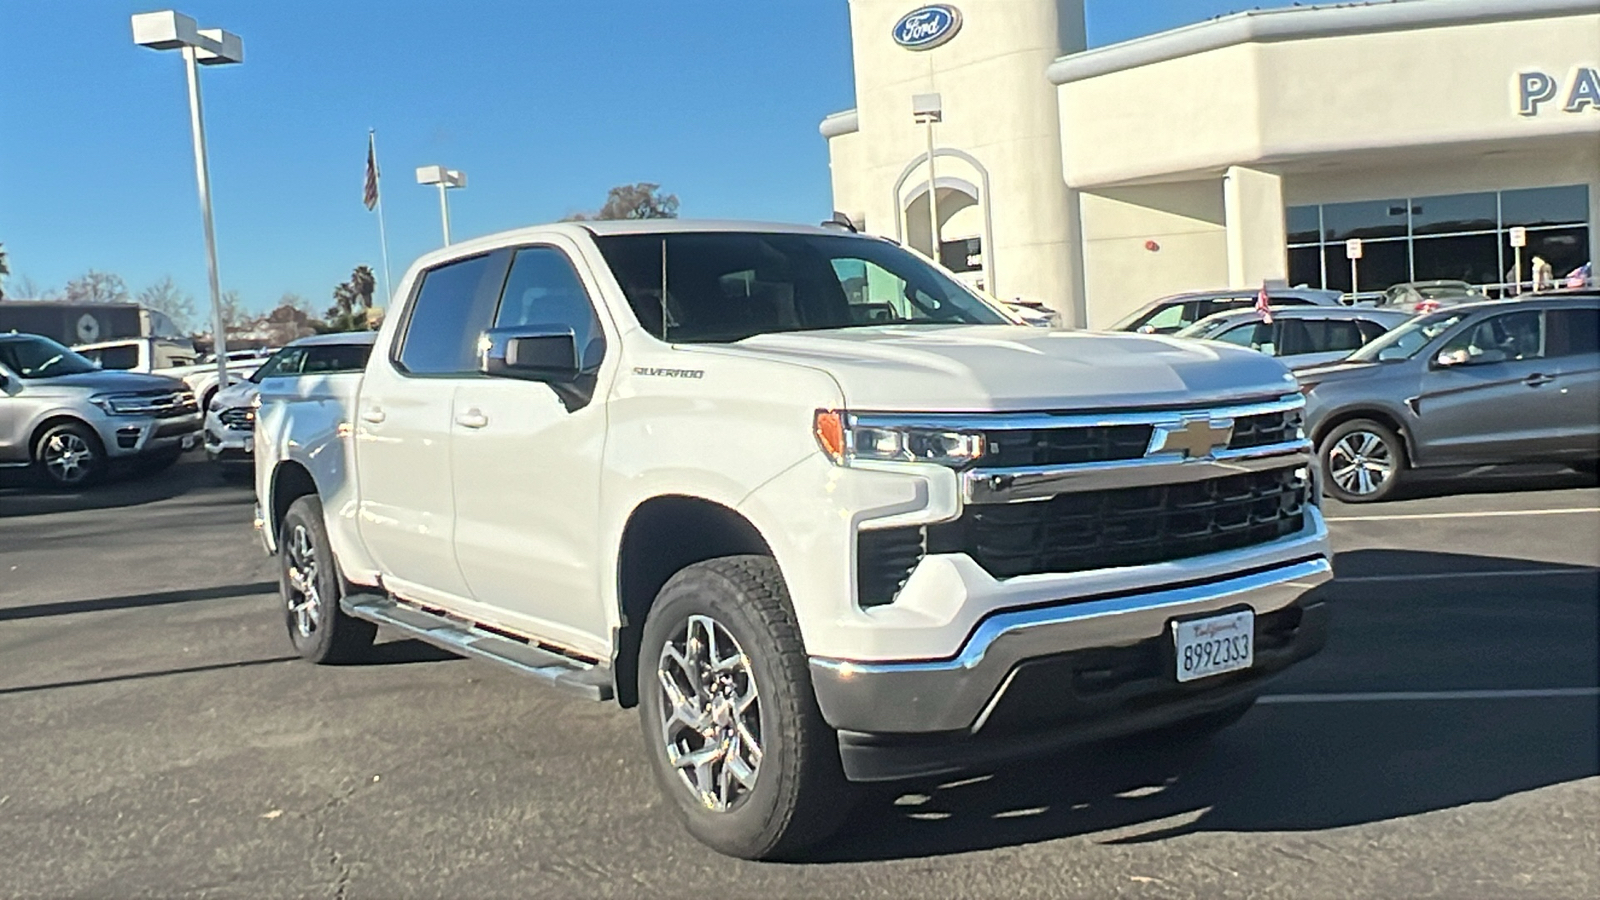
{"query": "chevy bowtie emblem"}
[(1194, 438)]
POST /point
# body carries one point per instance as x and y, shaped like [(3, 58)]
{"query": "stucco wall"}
[(1184, 220)]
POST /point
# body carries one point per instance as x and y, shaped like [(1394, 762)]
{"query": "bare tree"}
[(25, 288), (5, 270), (234, 315), (165, 296), (95, 286), (633, 201)]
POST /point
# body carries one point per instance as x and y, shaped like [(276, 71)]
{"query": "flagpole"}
[(383, 239)]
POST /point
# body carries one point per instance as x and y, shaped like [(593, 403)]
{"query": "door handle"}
[(1537, 380), (373, 414), (472, 418)]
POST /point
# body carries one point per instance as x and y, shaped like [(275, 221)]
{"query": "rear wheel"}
[(309, 583), (69, 455), (1362, 461), (729, 718)]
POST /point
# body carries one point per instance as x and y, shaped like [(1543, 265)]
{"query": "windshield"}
[(314, 359), (727, 286), (1407, 340), (31, 356)]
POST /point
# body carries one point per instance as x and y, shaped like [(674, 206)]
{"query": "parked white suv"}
[(818, 535)]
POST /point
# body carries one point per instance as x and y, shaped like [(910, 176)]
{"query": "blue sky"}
[(543, 103)]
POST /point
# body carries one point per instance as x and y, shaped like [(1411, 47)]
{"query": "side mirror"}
[(547, 353), (1449, 358)]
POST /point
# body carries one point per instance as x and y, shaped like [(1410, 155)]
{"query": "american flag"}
[(370, 196), (1264, 305)]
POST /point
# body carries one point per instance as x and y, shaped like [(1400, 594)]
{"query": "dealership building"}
[(1245, 149)]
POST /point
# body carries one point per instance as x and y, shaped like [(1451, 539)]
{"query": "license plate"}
[(1214, 645)]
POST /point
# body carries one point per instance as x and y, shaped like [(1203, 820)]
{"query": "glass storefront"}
[(1462, 237)]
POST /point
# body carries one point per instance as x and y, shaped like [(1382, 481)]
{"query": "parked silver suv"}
[(67, 418), (1475, 384)]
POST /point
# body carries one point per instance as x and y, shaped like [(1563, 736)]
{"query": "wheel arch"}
[(662, 536), (1377, 414), (52, 421), (290, 481)]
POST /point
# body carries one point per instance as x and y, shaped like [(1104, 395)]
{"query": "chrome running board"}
[(459, 636)]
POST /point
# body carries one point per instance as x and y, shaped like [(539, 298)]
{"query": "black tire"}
[(1362, 461), (310, 586), (799, 794), (69, 456)]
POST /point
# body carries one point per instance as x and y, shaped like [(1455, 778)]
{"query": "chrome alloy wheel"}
[(304, 598), (1360, 463), (67, 456), (710, 713)]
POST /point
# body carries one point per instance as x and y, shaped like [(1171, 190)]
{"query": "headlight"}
[(115, 405), (843, 439)]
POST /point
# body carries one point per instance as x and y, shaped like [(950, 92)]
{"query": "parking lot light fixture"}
[(445, 179), (170, 30)]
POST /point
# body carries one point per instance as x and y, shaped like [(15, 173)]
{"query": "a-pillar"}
[(1253, 210)]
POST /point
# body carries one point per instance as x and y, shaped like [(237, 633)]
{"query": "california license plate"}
[(1215, 645)]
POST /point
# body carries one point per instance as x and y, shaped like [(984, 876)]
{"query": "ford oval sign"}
[(927, 27)]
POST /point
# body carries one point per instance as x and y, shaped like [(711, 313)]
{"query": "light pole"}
[(445, 179), (169, 30), (926, 109)]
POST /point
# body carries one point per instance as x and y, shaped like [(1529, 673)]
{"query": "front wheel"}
[(1362, 461), (69, 455), (309, 583), (730, 722)]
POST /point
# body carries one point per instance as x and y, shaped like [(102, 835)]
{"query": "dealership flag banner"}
[(373, 198), (1264, 305)]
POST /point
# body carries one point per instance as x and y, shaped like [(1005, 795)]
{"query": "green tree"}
[(95, 286), (633, 201), (165, 296), (363, 283)]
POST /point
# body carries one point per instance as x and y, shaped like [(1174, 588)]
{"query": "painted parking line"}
[(1445, 576), (1412, 696), (1483, 514)]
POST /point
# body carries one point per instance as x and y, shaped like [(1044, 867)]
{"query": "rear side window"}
[(1573, 332), (119, 359), (544, 289), (330, 358), (453, 307)]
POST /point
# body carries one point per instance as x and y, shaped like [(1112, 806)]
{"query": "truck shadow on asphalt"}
[(1311, 762), (21, 494)]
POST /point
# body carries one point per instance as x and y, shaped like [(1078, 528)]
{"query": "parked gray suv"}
[(67, 418), (1480, 383)]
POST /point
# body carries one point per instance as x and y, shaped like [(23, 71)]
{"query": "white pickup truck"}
[(822, 513)]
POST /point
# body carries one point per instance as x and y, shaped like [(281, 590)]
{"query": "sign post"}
[(1519, 239), (1352, 252)]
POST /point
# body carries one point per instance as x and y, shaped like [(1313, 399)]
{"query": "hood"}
[(236, 395), (107, 382), (1009, 368), (1338, 371)]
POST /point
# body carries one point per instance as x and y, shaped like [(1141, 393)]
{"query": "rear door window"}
[(1573, 332)]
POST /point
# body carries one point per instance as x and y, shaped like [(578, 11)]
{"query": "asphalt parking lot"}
[(157, 739)]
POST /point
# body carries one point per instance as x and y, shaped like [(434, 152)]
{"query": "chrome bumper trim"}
[(950, 694), (1044, 482)]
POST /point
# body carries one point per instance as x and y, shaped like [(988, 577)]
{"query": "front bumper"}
[(128, 436), (1051, 675)]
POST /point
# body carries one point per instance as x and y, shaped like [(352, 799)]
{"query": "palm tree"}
[(363, 283)]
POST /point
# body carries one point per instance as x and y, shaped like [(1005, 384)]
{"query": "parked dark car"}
[(1169, 314), (1506, 381), (1299, 336)]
